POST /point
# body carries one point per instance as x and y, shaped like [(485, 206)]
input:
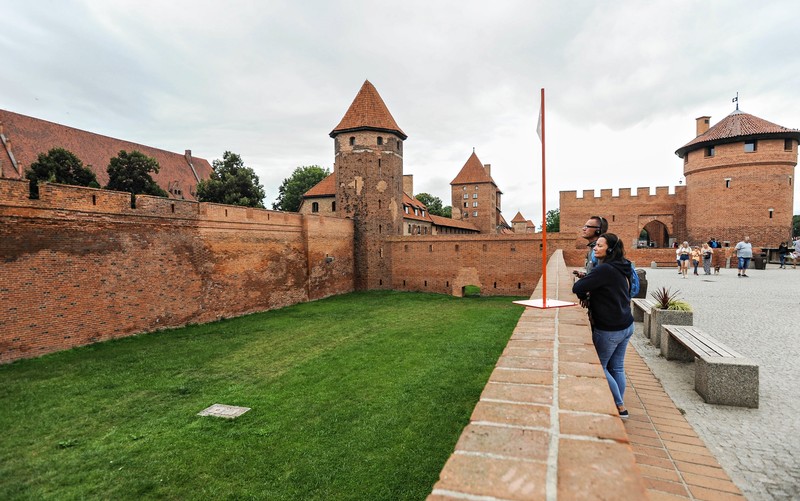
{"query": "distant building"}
[(24, 138)]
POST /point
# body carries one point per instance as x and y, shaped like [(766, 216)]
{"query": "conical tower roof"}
[(473, 172), (368, 112), (738, 126), (519, 218)]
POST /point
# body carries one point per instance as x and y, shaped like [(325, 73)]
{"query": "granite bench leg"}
[(671, 349), (646, 326), (638, 314), (727, 381)]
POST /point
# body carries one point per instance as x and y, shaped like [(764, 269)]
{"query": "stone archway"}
[(657, 234), (465, 277)]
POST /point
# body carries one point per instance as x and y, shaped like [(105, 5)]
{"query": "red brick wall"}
[(501, 265), (80, 265), (627, 214)]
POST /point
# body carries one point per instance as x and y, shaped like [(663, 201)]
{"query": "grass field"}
[(359, 396)]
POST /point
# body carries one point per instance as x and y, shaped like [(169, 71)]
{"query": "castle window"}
[(352, 140), (314, 207), (790, 180), (787, 144), (710, 151), (409, 229), (405, 249), (466, 204), (476, 188), (456, 247), (333, 206), (430, 248), (380, 228), (474, 204), (770, 213), (405, 208), (475, 214), (464, 188), (423, 213), (750, 146), (727, 182), (399, 144), (380, 252), (94, 202), (416, 211), (466, 215), (475, 195), (466, 195), (379, 204), (380, 140)]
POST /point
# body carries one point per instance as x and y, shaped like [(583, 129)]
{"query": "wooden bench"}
[(721, 375), (640, 306)]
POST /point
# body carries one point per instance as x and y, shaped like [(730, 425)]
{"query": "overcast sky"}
[(269, 80)]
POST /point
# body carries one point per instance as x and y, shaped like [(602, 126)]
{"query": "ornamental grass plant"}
[(359, 396)]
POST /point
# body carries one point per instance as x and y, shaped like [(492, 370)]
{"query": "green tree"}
[(434, 204), (795, 225), (61, 166), (290, 193), (447, 211), (231, 183), (131, 172), (553, 218)]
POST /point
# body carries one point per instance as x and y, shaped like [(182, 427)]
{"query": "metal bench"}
[(640, 306), (721, 375)]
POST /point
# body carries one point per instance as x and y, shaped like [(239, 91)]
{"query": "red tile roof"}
[(738, 126), (453, 223), (519, 218), (411, 202), (473, 172), (30, 136), (368, 111), (324, 188)]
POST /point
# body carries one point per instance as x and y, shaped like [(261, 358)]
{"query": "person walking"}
[(707, 253), (683, 253), (607, 289), (696, 258), (796, 254), (744, 252), (783, 250)]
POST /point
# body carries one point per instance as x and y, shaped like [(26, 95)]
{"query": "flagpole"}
[(544, 212)]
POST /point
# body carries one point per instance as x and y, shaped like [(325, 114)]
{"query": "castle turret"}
[(740, 180), (475, 196), (369, 183)]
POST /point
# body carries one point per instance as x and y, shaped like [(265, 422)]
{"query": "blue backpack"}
[(634, 289)]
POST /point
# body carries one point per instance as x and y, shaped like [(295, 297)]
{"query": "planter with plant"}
[(669, 310)]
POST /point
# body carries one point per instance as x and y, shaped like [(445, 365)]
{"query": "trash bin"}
[(760, 261)]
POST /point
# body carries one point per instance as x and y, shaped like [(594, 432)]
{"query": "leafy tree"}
[(131, 172), (434, 204), (61, 166), (447, 211), (232, 183), (553, 218), (290, 193), (795, 225)]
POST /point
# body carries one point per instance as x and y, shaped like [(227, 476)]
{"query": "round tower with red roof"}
[(740, 180), (368, 167)]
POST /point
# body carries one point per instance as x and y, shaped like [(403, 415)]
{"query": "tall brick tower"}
[(475, 196), (740, 180), (369, 183)]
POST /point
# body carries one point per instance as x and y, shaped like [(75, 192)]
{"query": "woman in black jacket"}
[(607, 288)]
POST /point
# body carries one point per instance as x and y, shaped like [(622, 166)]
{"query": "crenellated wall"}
[(82, 265), (627, 213)]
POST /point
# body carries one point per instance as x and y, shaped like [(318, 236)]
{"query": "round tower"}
[(368, 167), (740, 180)]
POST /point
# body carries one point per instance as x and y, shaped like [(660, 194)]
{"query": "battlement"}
[(643, 194), (16, 192)]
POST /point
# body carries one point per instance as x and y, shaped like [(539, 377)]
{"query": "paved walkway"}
[(758, 316)]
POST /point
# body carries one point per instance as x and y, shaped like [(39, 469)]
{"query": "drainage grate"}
[(223, 411)]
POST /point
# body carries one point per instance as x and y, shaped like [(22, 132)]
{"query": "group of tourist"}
[(789, 250), (698, 255)]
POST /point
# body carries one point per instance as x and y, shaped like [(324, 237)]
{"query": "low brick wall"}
[(546, 426)]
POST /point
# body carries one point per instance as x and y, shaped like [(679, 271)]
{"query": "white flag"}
[(539, 125)]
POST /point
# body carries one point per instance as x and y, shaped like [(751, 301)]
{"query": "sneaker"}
[(745, 275), (624, 414)]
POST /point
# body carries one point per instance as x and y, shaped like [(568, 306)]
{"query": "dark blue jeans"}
[(610, 347), (744, 263)]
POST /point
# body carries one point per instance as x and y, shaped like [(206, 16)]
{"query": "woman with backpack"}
[(609, 285)]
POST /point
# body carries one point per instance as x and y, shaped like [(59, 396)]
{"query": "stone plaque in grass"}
[(223, 411)]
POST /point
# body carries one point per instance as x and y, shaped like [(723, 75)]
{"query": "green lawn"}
[(359, 396)]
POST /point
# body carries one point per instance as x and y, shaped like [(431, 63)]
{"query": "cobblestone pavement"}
[(758, 316)]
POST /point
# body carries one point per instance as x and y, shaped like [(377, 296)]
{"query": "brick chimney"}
[(188, 155), (702, 124), (488, 168), (408, 184)]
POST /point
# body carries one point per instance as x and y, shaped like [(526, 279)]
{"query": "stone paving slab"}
[(759, 317)]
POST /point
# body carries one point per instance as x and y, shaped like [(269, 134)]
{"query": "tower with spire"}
[(475, 196), (368, 167)]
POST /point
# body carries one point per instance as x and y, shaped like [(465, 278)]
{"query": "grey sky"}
[(269, 80)]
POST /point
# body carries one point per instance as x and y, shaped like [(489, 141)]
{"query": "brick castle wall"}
[(80, 265)]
